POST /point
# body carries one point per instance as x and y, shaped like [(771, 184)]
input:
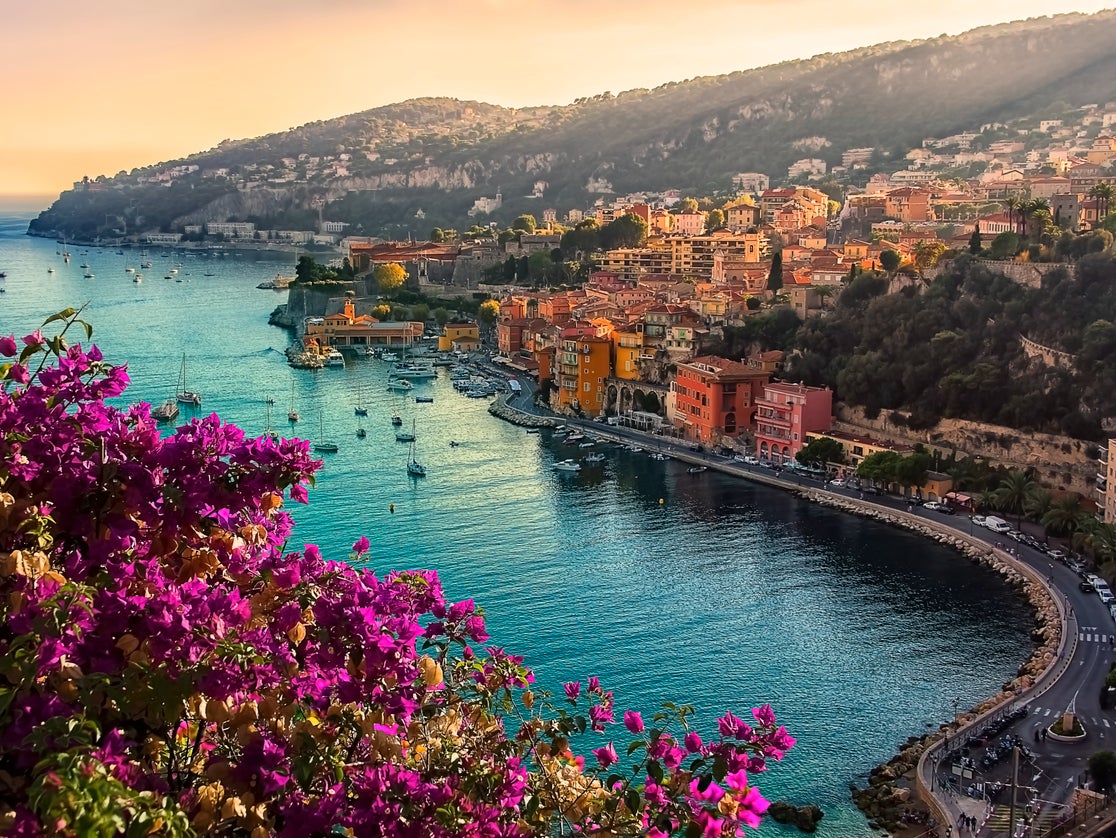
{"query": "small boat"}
[(361, 433), (165, 412), (268, 432), (396, 419), (454, 443), (369, 352), (182, 394), (324, 445), (589, 444), (49, 271), (89, 275), (82, 265), (412, 370), (404, 436), (532, 430), (595, 458), (413, 467), (209, 274), (292, 414), (335, 359), (424, 399), (389, 356), (400, 384), (137, 278), (360, 409), (661, 457), (572, 438), (697, 469), (567, 465), (129, 270)]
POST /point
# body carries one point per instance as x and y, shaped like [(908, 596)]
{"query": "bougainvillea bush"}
[(170, 668)]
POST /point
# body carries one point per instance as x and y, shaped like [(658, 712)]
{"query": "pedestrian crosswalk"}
[(1053, 713), (999, 821), (1093, 637)]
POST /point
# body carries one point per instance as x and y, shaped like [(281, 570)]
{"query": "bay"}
[(725, 595)]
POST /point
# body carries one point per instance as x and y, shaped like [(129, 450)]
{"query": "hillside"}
[(377, 168)]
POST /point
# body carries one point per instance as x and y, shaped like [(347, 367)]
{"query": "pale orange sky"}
[(95, 87)]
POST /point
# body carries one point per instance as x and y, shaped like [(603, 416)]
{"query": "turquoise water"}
[(726, 595)]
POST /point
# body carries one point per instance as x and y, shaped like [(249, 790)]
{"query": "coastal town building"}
[(785, 414), (455, 332), (716, 398), (583, 363), (347, 328)]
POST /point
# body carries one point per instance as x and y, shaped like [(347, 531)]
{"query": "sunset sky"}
[(94, 88)]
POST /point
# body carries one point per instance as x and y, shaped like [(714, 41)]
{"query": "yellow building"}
[(454, 332), (347, 328), (583, 367), (627, 347)]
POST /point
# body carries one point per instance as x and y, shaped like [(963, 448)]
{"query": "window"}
[(586, 388)]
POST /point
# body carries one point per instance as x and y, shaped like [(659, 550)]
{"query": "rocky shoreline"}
[(891, 786)]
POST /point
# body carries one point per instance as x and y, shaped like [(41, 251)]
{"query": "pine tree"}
[(775, 277), (975, 245)]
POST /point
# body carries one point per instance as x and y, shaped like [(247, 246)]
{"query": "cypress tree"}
[(775, 277)]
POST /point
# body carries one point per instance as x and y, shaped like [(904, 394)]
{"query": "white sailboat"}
[(360, 409), (413, 467), (292, 414), (324, 445), (268, 432), (183, 395)]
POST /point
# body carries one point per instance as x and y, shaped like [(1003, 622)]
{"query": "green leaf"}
[(631, 800), (581, 724), (612, 780), (65, 314), (720, 769), (634, 746), (697, 765), (655, 772)]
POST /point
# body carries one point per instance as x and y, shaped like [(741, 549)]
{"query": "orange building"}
[(582, 370), (715, 397), (786, 413), (347, 328)]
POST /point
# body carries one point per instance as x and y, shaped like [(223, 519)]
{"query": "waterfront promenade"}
[(1074, 677)]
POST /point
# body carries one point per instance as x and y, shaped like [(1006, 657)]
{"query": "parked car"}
[(1086, 585), (979, 520), (933, 506), (1056, 554), (1077, 567), (1106, 596), (838, 483)]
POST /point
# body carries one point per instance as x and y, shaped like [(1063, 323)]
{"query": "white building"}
[(232, 229), (751, 182), (809, 166)]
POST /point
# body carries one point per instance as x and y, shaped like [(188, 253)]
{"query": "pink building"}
[(786, 414)]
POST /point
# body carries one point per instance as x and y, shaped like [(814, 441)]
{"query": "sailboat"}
[(413, 467), (292, 414), (270, 434), (324, 445), (360, 409), (183, 395), (395, 417)]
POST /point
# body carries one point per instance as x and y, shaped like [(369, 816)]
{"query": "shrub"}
[(170, 669)]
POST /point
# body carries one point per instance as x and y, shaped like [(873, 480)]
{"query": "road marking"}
[(1105, 722), (1047, 713)]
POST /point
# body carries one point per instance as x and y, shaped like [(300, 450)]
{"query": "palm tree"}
[(1064, 515), (1011, 496), (1037, 211), (1095, 540), (1104, 193), (1012, 205), (1038, 503)]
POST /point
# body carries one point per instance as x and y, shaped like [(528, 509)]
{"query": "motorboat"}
[(400, 384), (588, 444), (396, 419), (697, 469), (414, 371), (595, 458), (424, 399), (404, 436), (660, 456), (389, 356), (572, 438), (567, 465), (532, 430), (165, 412), (369, 352), (335, 359)]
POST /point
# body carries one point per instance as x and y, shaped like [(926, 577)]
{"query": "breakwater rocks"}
[(501, 410), (891, 785), (804, 817)]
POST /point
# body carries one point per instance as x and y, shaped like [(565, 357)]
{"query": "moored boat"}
[(567, 465), (165, 412)]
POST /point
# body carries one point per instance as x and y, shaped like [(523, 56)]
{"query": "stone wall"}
[(1059, 462), (1050, 357), (1029, 274)]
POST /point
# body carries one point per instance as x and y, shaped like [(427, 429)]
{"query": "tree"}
[(1012, 205), (975, 245), (584, 238), (629, 230), (420, 312), (488, 312), (889, 261), (389, 277), (1063, 515), (1012, 493), (927, 254), (525, 223), (688, 205), (441, 316), (821, 451), (715, 220), (171, 669), (775, 275), (436, 235), (381, 312), (306, 269), (1005, 245), (1103, 193), (1102, 768)]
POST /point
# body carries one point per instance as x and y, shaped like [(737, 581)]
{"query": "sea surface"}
[(670, 587)]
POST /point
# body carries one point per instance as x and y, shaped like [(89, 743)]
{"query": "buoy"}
[(391, 508), (660, 501)]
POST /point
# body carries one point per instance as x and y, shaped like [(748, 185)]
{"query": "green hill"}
[(377, 168)]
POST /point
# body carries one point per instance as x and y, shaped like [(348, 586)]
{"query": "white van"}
[(996, 524)]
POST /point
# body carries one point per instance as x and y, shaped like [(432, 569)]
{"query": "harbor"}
[(725, 593)]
